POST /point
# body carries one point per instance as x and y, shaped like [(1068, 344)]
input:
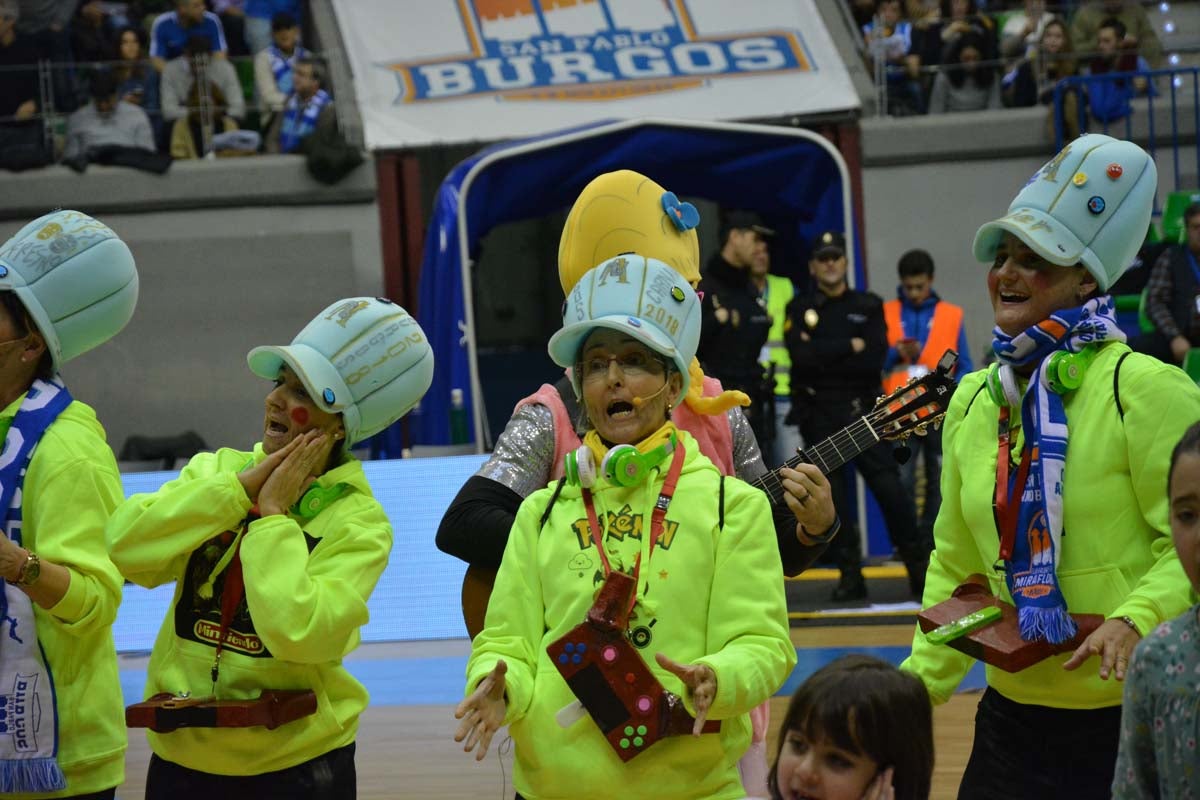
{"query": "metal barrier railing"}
[(62, 87), (1177, 80)]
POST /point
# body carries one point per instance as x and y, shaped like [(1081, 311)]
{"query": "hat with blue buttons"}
[(1088, 205), (365, 358), (75, 277), (640, 297)]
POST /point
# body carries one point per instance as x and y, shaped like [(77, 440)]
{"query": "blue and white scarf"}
[(29, 725), (300, 122), (281, 67), (1031, 573)]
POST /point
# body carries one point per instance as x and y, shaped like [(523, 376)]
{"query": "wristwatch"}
[(30, 571), (1129, 621)]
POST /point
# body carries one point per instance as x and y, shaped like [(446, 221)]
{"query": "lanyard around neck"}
[(657, 518), (1007, 501)]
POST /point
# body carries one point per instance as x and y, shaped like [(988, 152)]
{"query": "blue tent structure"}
[(791, 176)]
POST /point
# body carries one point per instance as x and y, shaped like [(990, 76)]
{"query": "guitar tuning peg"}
[(921, 430)]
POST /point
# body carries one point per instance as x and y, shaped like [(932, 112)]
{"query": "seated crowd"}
[(141, 83), (953, 55)]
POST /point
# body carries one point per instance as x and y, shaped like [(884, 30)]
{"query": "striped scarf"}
[(1031, 573), (281, 67), (299, 122), (28, 709)]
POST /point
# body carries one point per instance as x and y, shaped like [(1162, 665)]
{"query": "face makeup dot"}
[(300, 416)]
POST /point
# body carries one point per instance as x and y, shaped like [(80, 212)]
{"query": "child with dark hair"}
[(1159, 715), (857, 728)]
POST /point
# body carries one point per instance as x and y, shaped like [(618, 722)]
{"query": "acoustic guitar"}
[(911, 409)]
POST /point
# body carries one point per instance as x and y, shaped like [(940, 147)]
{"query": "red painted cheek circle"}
[(300, 416)]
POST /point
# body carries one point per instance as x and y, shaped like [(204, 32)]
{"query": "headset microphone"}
[(638, 402)]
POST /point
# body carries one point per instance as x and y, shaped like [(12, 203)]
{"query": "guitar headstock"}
[(918, 404)]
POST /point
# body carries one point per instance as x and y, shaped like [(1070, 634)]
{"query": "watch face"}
[(33, 569)]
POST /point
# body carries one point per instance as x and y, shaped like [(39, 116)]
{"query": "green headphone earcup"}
[(623, 465), (1065, 372), (994, 389)]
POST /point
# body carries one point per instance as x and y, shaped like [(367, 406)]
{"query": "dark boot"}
[(851, 586)]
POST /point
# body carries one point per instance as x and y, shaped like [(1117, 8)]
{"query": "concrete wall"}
[(214, 282)]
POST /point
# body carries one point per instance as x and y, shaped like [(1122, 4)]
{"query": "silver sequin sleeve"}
[(747, 459), (523, 457)]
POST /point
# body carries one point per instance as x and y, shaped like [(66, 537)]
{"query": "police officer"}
[(838, 339), (734, 319)]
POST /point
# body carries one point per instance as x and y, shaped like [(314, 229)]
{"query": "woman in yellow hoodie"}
[(67, 284), (274, 553), (698, 548)]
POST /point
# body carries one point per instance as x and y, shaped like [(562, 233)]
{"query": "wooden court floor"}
[(408, 751)]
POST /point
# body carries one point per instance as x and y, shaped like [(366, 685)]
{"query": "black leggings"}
[(327, 777)]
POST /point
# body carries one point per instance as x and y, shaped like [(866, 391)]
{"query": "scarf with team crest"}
[(28, 709), (1031, 573)]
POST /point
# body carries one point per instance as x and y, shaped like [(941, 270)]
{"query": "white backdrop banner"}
[(441, 71)]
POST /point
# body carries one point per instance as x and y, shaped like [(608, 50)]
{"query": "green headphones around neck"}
[(622, 465), (316, 499), (1064, 374)]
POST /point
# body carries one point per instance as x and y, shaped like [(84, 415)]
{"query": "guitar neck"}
[(826, 455)]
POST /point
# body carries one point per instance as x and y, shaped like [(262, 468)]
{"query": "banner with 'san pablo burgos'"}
[(441, 71)]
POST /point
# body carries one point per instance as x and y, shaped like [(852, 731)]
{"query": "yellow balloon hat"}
[(626, 212)]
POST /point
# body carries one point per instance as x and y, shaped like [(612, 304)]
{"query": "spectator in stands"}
[(233, 19), (1138, 36), (1022, 31), (181, 94), (310, 107), (259, 15), (273, 66), (173, 30), (1109, 98), (91, 32), (107, 120), (967, 81), (921, 326), (21, 134), (961, 17), (46, 25), (1032, 82), (201, 97), (1173, 297), (889, 40), (137, 80)]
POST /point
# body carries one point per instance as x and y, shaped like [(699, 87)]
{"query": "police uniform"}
[(733, 330), (831, 387)]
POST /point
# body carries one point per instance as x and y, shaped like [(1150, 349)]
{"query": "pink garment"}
[(712, 433), (715, 438)]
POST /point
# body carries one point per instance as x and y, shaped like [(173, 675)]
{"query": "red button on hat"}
[(1114, 171)]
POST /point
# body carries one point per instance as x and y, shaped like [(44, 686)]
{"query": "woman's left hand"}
[(701, 683), (1113, 641), (12, 558), (807, 494), (289, 480)]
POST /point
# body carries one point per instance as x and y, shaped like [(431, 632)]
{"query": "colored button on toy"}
[(1096, 204), (1080, 179), (569, 648), (644, 704), (609, 653), (628, 730), (1114, 171), (641, 730), (638, 741), (630, 677), (624, 744)]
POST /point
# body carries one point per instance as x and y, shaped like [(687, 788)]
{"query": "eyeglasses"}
[(633, 364)]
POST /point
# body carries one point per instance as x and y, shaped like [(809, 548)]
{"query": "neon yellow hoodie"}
[(306, 598), (71, 487), (715, 597), (1117, 556)]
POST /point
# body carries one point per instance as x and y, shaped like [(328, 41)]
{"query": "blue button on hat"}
[(365, 358), (639, 296), (1098, 221), (75, 277)]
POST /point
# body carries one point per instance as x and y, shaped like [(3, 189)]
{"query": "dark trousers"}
[(327, 777), (879, 469), (1040, 753)]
